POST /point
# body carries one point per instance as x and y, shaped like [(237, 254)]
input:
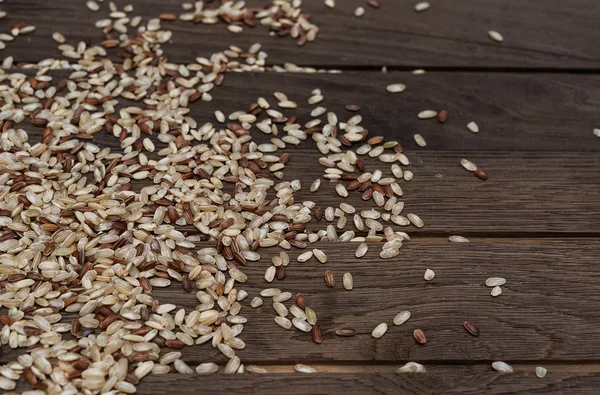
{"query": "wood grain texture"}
[(538, 33), (527, 192), (440, 380), (364, 379), (507, 107), (454, 381), (547, 311)]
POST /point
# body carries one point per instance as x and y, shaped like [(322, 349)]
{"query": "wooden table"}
[(536, 221)]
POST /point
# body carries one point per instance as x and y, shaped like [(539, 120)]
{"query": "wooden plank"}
[(450, 34), (533, 193), (547, 310), (507, 108), (465, 380), (439, 379)]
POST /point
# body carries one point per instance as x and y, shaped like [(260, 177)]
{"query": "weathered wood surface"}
[(506, 106), (547, 310), (440, 379), (515, 112), (451, 34), (536, 144), (466, 380), (526, 193)]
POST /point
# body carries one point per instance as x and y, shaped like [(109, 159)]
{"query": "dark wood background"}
[(536, 221)]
